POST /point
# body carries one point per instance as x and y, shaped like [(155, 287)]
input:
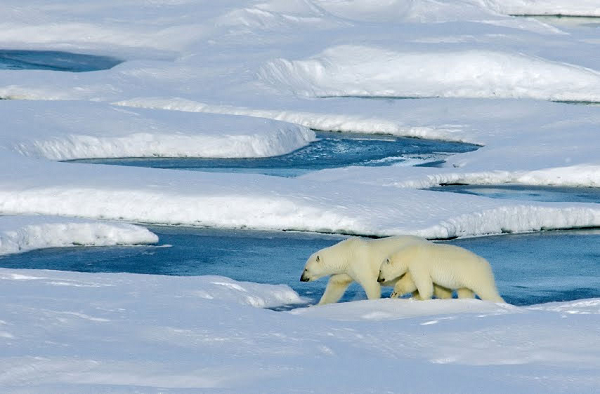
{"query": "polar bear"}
[(449, 266), (357, 259)]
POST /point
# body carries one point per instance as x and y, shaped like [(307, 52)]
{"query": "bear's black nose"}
[(304, 278), (380, 279)]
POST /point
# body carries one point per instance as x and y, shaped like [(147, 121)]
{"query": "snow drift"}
[(23, 233), (351, 70)]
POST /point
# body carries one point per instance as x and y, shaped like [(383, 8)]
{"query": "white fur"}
[(354, 259), (449, 266)]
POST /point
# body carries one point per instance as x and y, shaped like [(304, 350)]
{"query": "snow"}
[(250, 79), (551, 7), (309, 202), (62, 131), (66, 332), (23, 233), (268, 203), (363, 71), (212, 93)]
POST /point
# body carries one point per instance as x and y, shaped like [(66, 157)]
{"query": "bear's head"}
[(314, 268), (329, 261), (391, 268)]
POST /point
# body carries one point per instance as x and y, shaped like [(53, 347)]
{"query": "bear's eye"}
[(387, 261), (318, 259)]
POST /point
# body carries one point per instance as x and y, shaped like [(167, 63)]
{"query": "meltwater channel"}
[(529, 268), (12, 59), (331, 150)]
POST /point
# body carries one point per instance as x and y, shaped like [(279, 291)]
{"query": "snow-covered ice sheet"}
[(87, 333), (23, 233), (546, 7), (263, 202), (215, 52), (444, 10), (352, 70), (63, 131), (525, 143), (514, 134), (191, 86)]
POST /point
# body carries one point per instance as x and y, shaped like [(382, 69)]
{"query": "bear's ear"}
[(318, 259)]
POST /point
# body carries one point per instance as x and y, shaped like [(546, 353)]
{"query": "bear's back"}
[(452, 254), (380, 249), (389, 245)]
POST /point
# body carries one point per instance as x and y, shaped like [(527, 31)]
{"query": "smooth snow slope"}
[(88, 333)]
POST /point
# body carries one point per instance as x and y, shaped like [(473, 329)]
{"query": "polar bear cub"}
[(357, 259), (449, 266)]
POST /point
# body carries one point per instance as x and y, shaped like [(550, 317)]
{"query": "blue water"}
[(528, 193), (529, 268), (54, 61), (331, 150)]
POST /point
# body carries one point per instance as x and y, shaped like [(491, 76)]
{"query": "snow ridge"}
[(24, 233), (351, 70)]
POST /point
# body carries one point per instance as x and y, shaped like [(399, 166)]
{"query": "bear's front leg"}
[(335, 289), (370, 285), (423, 282), (373, 290)]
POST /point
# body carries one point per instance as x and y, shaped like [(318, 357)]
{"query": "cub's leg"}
[(404, 285), (335, 289)]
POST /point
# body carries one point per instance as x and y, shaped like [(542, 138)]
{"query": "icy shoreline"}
[(62, 131), (270, 203), (19, 234)]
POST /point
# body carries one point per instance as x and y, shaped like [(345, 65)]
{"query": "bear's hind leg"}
[(335, 289), (465, 293), (489, 294), (442, 293)]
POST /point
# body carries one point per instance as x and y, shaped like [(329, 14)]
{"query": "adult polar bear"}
[(357, 259), (449, 266)]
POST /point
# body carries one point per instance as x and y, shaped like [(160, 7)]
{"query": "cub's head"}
[(314, 267), (390, 269)]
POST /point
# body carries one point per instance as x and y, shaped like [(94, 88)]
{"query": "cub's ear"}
[(318, 259)]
